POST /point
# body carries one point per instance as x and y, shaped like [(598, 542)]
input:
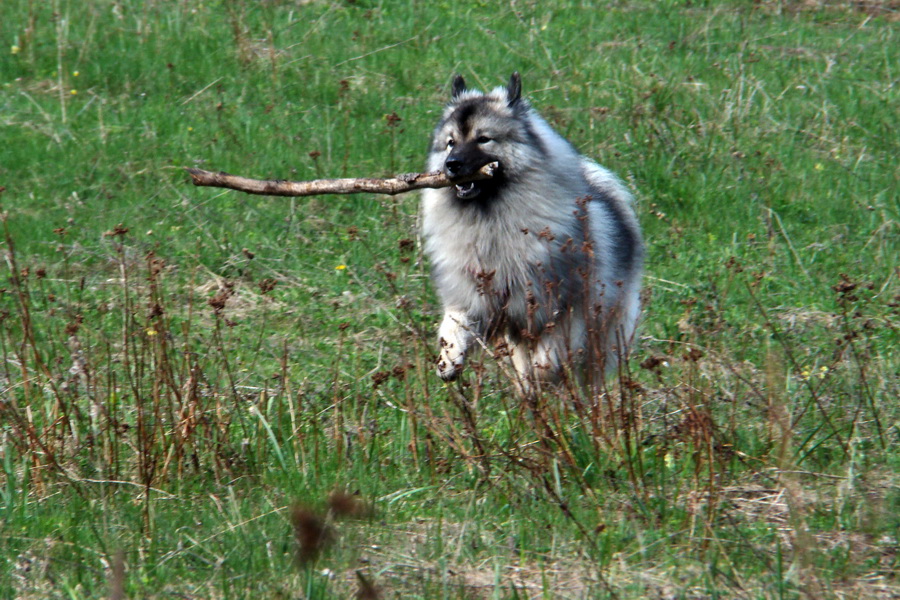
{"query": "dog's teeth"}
[(466, 190)]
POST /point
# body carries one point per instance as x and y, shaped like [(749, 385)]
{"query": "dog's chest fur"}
[(496, 261)]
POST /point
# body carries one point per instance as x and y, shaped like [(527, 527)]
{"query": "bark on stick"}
[(391, 186)]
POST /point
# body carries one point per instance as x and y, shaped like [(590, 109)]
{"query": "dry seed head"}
[(118, 230), (343, 504), (380, 377), (367, 590), (267, 285), (156, 310), (311, 531)]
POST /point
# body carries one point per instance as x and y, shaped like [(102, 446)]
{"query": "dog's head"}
[(477, 129)]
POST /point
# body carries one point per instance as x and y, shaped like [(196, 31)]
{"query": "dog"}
[(544, 259)]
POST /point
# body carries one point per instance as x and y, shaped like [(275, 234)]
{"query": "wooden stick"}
[(394, 185)]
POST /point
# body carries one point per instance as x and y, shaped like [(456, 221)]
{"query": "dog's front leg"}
[(456, 334)]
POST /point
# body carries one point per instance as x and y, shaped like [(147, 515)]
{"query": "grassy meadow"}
[(210, 395)]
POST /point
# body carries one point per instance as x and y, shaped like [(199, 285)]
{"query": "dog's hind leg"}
[(534, 363), (548, 359)]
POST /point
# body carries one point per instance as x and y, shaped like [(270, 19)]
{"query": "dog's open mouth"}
[(467, 191)]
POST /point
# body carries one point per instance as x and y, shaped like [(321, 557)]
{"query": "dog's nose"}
[(453, 166)]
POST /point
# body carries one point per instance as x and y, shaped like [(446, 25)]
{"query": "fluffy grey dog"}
[(544, 259)]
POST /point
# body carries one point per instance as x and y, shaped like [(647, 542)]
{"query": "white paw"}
[(450, 361)]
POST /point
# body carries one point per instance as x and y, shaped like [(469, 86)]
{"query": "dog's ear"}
[(514, 88), (459, 86)]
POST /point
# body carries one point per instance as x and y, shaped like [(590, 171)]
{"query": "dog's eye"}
[(451, 142), (483, 139)]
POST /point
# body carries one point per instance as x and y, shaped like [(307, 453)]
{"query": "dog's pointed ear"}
[(514, 89), (459, 86)]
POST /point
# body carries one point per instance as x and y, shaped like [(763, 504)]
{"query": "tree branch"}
[(277, 187)]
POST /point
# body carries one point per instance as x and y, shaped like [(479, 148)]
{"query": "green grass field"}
[(205, 394)]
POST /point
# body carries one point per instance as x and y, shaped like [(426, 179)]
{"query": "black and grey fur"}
[(546, 257)]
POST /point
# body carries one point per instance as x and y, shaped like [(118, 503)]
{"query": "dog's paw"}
[(447, 370), (450, 362)]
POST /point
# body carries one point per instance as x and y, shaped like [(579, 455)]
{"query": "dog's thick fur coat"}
[(545, 258)]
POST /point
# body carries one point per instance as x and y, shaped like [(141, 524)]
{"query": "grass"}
[(200, 388)]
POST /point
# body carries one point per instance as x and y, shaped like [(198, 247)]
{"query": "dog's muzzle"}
[(455, 168)]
